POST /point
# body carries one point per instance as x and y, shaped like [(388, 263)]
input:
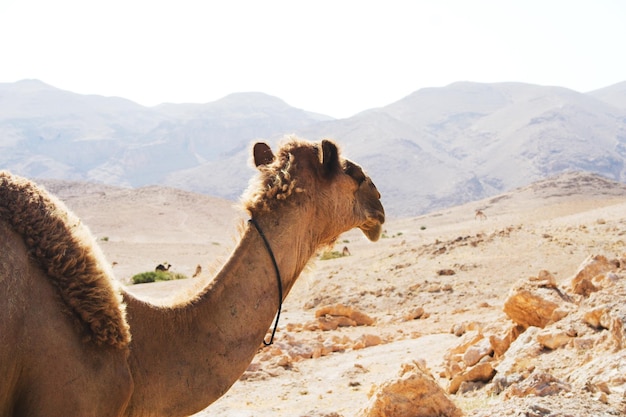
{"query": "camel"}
[(162, 267), (75, 343), (480, 215)]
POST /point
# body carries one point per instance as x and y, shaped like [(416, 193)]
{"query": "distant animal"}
[(198, 271), (162, 268), (346, 251), (66, 323), (480, 215)]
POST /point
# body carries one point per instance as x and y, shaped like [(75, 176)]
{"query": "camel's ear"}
[(263, 155), (329, 157)]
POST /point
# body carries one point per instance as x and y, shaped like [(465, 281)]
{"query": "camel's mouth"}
[(373, 233), (373, 227)]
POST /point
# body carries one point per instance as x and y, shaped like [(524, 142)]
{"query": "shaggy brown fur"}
[(65, 250), (277, 181), (274, 183)]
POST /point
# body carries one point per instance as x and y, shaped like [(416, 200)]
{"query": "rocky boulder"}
[(537, 301), (591, 273), (415, 393)]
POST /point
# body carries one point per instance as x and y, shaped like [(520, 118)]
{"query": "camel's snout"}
[(373, 227), (373, 233)]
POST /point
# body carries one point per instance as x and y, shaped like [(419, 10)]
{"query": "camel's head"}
[(335, 192)]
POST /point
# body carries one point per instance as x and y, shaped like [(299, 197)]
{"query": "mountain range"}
[(435, 148)]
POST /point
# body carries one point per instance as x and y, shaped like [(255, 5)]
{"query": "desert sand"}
[(431, 283)]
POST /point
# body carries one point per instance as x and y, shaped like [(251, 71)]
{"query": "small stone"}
[(553, 339), (414, 314), (482, 372), (475, 353)]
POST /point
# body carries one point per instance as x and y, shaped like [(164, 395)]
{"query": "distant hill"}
[(51, 133), (614, 95), (436, 147), (151, 214), (444, 146)]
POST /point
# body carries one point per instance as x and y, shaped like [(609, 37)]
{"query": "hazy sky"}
[(335, 57)]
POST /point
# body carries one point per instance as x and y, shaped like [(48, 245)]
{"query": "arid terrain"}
[(431, 292)]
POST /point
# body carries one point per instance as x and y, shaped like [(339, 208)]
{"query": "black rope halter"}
[(280, 283)]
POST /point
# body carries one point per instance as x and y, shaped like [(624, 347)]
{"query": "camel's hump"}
[(68, 254)]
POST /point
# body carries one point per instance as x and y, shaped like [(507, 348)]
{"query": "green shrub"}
[(153, 276), (331, 254)]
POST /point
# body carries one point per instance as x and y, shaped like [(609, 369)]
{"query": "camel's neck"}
[(185, 357)]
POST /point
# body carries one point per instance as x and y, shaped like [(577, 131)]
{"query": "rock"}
[(562, 312), (518, 358), (545, 279), (470, 386), (501, 382), (458, 329), (607, 311), (415, 393), (284, 361), (584, 287), (610, 278), (327, 323), (361, 319), (528, 308), (595, 265), (344, 321), (454, 359), (539, 384), (482, 372), (468, 339), (584, 344), (568, 405), (294, 327), (453, 366), (618, 333), (321, 350), (501, 344), (602, 397), (603, 373), (553, 338), (340, 310), (334, 310), (367, 340), (414, 314), (598, 318), (530, 304), (476, 352)]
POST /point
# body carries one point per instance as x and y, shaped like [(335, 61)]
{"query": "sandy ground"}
[(551, 225)]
